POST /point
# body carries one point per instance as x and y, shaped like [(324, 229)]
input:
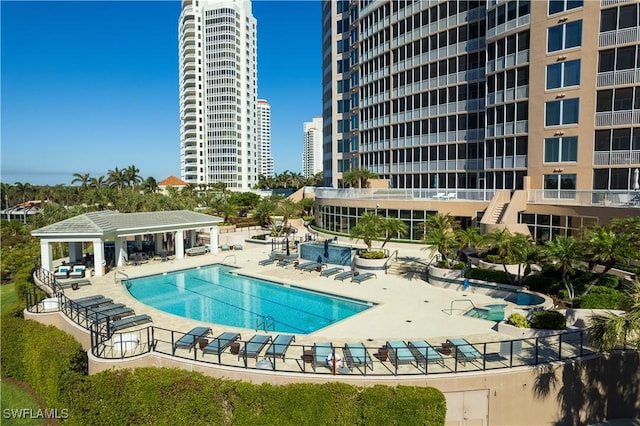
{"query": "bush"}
[(601, 297), (546, 281), (518, 320), (43, 356), (489, 275), (374, 254), (548, 320)]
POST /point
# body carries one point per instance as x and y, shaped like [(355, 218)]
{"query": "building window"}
[(564, 36), (561, 112), (559, 185), (561, 150), (557, 6), (564, 74)]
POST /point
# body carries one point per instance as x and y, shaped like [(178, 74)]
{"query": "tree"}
[(610, 330), (82, 178), (264, 210), (369, 228), (440, 233), (563, 253), (392, 226), (117, 178), (131, 176), (357, 177), (150, 185)]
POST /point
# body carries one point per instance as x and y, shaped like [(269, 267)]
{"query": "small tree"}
[(369, 228), (563, 253), (440, 234), (610, 330)]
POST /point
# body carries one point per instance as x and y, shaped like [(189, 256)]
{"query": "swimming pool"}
[(215, 294)]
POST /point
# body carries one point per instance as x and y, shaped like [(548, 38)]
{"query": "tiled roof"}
[(110, 223), (172, 181)]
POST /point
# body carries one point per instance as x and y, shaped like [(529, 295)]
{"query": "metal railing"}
[(610, 198), (390, 258), (461, 300), (265, 323)]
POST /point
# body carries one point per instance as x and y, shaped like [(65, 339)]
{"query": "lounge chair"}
[(344, 275), (224, 247), (305, 265), (190, 340), (312, 267), (399, 353), (103, 308), (220, 343), (321, 352), (279, 346), (464, 351), (254, 346), (356, 355), (237, 246), (124, 311), (91, 303), (363, 277), (450, 196), (77, 272), (271, 260), (425, 353), (440, 196), (62, 271), (83, 299), (330, 271), (129, 322)]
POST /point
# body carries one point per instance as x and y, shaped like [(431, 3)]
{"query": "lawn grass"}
[(8, 298), (16, 398)]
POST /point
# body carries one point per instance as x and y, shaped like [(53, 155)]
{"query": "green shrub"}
[(43, 356), (547, 282), (489, 275), (374, 254), (518, 320), (601, 297), (548, 320), (403, 405)]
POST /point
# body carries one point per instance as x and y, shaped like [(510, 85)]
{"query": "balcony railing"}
[(614, 158), (617, 78), (617, 118), (433, 194), (567, 197), (626, 35)]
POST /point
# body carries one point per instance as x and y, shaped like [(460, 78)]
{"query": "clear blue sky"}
[(88, 86)]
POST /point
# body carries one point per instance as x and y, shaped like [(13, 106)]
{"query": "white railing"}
[(437, 194), (616, 118), (603, 158), (607, 198), (621, 77), (627, 35)]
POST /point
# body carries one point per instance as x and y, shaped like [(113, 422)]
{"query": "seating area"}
[(62, 272), (78, 271), (331, 271)]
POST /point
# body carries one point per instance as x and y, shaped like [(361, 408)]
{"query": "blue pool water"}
[(488, 312), (215, 294)]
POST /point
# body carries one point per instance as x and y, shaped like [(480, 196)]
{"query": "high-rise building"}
[(498, 95), (471, 94), (264, 138), (218, 93), (312, 148)]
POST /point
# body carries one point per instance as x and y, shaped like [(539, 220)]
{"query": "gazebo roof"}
[(106, 224)]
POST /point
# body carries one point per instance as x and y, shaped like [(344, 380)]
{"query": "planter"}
[(383, 353), (444, 274), (512, 269), (364, 265)]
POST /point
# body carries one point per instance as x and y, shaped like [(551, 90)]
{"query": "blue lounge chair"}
[(190, 340), (254, 346), (237, 246), (220, 343), (464, 351), (91, 303), (305, 265), (399, 353), (312, 267), (330, 271), (105, 308), (425, 353), (116, 313), (269, 261), (82, 299), (279, 346), (363, 277), (344, 275), (321, 352), (224, 247), (129, 322), (356, 355)]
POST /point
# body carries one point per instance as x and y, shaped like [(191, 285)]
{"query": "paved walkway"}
[(406, 308)]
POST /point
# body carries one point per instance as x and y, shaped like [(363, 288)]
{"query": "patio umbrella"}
[(287, 243), (636, 183), (326, 248)]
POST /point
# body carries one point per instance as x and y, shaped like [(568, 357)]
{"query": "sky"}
[(88, 86)]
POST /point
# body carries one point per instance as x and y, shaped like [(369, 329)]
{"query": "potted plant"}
[(372, 227)]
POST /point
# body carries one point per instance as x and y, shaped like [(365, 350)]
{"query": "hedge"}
[(488, 275), (548, 320), (43, 356), (54, 364), (601, 297)]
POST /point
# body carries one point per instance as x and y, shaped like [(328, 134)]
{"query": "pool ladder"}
[(265, 323), (115, 276), (460, 300)]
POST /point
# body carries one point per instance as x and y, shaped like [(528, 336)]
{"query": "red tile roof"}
[(172, 181)]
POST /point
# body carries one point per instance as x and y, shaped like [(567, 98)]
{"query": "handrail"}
[(461, 300), (266, 323), (229, 255), (387, 261), (115, 276)]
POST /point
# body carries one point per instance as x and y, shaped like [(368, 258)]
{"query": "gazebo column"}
[(192, 237), (214, 239), (159, 239), (139, 242), (121, 251), (46, 255), (75, 252), (179, 244), (99, 262)]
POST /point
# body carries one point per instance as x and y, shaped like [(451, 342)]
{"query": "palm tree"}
[(357, 177), (392, 226), (369, 228), (97, 182), (150, 185), (610, 330), (440, 233), (264, 210), (131, 176), (563, 253), (82, 178), (117, 178)]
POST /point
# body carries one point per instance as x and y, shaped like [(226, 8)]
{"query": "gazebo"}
[(180, 226)]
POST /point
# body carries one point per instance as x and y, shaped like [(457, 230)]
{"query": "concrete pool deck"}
[(407, 308)]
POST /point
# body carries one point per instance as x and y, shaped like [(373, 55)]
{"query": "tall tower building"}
[(312, 148), (484, 95), (218, 93), (264, 138)]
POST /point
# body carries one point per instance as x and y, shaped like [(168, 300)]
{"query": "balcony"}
[(567, 197), (619, 78), (617, 118), (624, 36), (616, 158)]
